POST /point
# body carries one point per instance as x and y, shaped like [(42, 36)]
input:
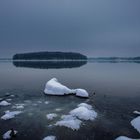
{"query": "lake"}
[(114, 90)]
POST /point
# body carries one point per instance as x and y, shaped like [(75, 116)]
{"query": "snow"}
[(70, 122), (51, 116), (18, 107), (124, 138), (58, 109), (84, 112), (46, 102), (54, 87), (50, 138), (136, 123), (4, 103), (137, 112), (12, 95), (85, 105), (7, 134), (10, 114), (81, 93)]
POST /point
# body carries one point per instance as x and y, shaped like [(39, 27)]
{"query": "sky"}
[(92, 27)]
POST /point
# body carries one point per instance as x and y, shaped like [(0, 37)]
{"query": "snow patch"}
[(7, 134), (73, 120), (84, 113), (51, 116), (136, 123), (50, 138), (70, 122), (10, 114), (85, 105), (46, 102), (4, 103), (58, 109), (137, 112), (124, 138), (81, 93), (54, 87)]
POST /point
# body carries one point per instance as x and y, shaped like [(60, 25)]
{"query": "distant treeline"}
[(50, 56), (116, 58)]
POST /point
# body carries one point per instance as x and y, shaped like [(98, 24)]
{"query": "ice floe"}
[(46, 102), (50, 138), (125, 138), (70, 122), (7, 135), (10, 114), (84, 113), (85, 105), (137, 112), (51, 116), (74, 119), (136, 123), (81, 92), (4, 103), (58, 109), (18, 106), (54, 87)]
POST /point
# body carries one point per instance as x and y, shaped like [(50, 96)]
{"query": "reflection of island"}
[(49, 64)]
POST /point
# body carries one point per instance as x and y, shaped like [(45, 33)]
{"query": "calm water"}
[(117, 95)]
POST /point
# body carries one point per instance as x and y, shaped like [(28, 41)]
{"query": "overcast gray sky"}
[(92, 27)]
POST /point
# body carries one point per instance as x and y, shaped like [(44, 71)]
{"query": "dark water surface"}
[(117, 95)]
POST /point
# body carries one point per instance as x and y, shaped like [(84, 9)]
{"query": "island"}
[(50, 56)]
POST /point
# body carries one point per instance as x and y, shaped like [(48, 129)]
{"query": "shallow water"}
[(114, 94)]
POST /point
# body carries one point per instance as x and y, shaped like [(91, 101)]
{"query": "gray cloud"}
[(95, 28)]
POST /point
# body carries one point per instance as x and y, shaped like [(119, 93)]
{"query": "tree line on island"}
[(50, 56)]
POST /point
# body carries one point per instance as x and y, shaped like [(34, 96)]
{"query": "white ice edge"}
[(10, 114)]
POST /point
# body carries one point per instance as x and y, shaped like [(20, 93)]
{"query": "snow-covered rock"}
[(51, 116), (84, 113), (10, 114), (50, 138), (73, 120), (70, 122), (4, 103), (137, 112), (124, 138), (54, 87), (81, 93), (85, 105), (136, 123), (7, 134)]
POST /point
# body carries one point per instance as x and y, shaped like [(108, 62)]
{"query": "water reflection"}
[(49, 64)]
